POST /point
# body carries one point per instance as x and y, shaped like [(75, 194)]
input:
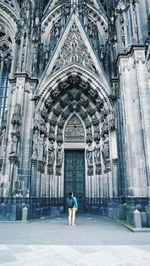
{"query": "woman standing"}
[(72, 208)]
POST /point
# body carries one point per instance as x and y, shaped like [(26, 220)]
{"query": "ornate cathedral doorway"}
[(74, 175)]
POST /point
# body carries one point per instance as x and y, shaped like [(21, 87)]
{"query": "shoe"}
[(69, 224), (73, 224)]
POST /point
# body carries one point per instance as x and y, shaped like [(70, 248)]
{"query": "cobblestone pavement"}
[(95, 241)]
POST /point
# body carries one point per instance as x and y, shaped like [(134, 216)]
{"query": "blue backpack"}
[(70, 202)]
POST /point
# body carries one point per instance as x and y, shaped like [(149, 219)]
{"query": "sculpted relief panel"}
[(74, 131)]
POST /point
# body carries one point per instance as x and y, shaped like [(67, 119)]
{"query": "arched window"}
[(74, 131), (5, 64)]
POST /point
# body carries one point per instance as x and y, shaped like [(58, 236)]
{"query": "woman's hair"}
[(70, 194)]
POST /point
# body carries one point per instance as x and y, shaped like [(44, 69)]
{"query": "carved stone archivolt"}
[(75, 106)]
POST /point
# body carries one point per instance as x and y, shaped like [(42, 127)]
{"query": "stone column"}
[(1, 67), (134, 149), (33, 177), (144, 102)]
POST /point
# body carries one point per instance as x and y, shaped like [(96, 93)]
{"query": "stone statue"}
[(41, 147), (106, 154), (59, 158), (97, 155), (35, 145), (89, 130), (51, 153), (15, 134), (16, 118), (105, 151), (89, 154), (2, 140)]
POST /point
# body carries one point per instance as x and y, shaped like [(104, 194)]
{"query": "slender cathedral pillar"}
[(134, 147)]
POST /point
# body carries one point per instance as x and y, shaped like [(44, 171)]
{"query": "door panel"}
[(74, 175)]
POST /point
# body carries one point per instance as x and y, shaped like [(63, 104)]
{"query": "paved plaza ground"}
[(94, 241)]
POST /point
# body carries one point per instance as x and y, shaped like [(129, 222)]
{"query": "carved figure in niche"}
[(112, 124), (44, 150), (48, 102), (58, 170), (105, 153), (43, 128), (2, 31), (59, 130), (36, 124), (105, 128), (16, 118), (55, 92), (44, 114), (98, 170), (2, 136), (59, 158), (89, 138), (3, 132), (89, 154), (112, 120), (135, 24), (41, 147), (99, 103), (90, 171), (2, 140), (103, 114), (51, 153), (15, 134), (52, 128), (89, 130), (97, 155), (96, 133), (35, 145)]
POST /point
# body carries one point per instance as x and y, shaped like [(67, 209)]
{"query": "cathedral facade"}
[(74, 106)]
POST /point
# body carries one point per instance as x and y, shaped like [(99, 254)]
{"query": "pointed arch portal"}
[(77, 128)]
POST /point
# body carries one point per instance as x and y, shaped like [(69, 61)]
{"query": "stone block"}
[(148, 215), (122, 212), (137, 219), (13, 212), (129, 211), (110, 213), (55, 211), (144, 219), (24, 214)]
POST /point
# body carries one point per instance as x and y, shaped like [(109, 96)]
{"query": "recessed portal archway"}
[(76, 126)]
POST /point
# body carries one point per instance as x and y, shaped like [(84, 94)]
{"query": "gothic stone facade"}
[(74, 106)]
